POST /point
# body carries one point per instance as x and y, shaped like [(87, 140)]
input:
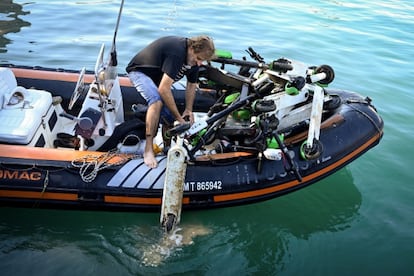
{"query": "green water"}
[(358, 221)]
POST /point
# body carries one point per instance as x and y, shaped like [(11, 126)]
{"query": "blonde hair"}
[(203, 45)]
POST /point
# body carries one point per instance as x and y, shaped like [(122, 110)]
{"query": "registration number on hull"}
[(197, 186)]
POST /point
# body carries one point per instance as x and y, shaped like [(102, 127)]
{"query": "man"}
[(154, 70)]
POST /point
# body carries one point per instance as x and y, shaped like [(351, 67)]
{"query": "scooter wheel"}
[(310, 153), (330, 74)]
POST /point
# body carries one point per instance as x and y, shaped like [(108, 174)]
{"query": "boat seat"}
[(22, 111)]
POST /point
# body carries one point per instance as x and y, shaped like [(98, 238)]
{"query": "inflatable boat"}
[(262, 130)]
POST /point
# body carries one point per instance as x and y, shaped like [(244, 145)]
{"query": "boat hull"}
[(60, 178)]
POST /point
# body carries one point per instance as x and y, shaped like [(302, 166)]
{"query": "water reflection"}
[(158, 251), (264, 237), (249, 239), (10, 21)]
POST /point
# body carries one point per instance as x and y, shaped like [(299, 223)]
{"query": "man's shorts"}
[(149, 91)]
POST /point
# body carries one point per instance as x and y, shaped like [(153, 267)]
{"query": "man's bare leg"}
[(151, 128)]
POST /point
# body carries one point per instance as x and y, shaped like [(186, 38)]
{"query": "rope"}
[(45, 183), (366, 102), (90, 165)]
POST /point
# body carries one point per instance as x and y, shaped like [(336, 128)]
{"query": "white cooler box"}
[(26, 115)]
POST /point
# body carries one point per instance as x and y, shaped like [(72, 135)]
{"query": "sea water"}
[(359, 221)]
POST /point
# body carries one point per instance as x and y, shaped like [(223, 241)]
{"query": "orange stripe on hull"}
[(74, 197), (23, 152), (138, 200), (132, 200), (261, 192), (221, 156), (38, 195), (59, 76)]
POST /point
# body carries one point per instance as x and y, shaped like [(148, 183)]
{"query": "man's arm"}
[(167, 96), (189, 100)]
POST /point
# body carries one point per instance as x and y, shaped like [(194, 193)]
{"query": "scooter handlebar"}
[(178, 129)]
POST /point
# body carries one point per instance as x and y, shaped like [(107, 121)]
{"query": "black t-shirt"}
[(164, 55)]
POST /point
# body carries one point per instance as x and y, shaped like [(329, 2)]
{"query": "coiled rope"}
[(90, 165)]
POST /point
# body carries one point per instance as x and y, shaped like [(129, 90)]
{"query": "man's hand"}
[(188, 116)]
